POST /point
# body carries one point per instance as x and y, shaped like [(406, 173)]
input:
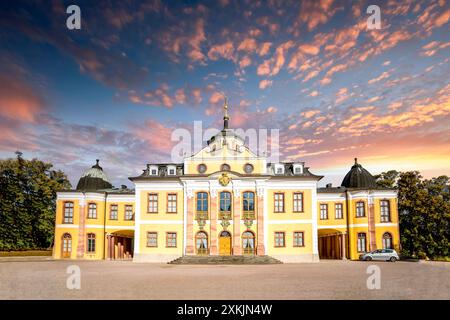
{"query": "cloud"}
[(224, 51), (18, 100), (263, 84), (272, 66), (384, 75)]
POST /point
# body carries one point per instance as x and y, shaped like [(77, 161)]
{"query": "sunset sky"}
[(117, 88)]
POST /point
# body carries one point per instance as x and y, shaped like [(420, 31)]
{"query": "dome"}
[(93, 179), (358, 177)]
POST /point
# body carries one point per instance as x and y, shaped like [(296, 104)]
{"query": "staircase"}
[(225, 260)]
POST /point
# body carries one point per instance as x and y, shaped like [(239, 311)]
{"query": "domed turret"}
[(358, 177), (94, 179)]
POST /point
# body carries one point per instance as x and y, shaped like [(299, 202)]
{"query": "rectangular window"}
[(68, 212), (361, 242), (324, 211), (202, 202), (279, 239), (92, 211), (225, 201), (113, 212), (129, 212), (338, 209), (298, 239), (91, 243), (171, 239), (172, 203), (152, 203), (279, 202), (385, 211), (298, 202), (360, 209), (248, 202), (152, 239)]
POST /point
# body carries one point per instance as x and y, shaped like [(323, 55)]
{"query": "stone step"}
[(225, 260)]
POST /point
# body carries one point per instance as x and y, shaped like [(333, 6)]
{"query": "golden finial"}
[(225, 107), (225, 117)]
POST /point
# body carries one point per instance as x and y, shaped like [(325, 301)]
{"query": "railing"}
[(201, 216), (248, 215), (225, 215), (202, 251)]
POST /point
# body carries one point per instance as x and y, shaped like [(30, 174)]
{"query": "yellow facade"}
[(282, 214)]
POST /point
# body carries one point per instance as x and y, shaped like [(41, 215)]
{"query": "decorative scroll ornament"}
[(224, 180), (225, 224), (248, 223), (201, 223)]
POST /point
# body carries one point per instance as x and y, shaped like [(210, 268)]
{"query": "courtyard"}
[(43, 278)]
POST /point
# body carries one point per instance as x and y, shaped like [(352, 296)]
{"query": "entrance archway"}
[(66, 245), (120, 245), (201, 243), (248, 243), (332, 244), (225, 243)]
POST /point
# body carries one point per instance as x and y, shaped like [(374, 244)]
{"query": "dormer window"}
[(298, 168), (171, 170), (279, 168), (153, 170)]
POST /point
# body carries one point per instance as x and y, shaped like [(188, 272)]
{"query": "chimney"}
[(329, 185)]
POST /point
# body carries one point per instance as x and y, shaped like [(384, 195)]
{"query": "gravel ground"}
[(41, 278)]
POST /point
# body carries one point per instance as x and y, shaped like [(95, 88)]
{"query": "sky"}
[(117, 88)]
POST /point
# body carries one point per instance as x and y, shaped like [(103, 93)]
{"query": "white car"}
[(381, 255)]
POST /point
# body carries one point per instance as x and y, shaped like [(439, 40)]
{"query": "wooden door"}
[(66, 245), (225, 245)]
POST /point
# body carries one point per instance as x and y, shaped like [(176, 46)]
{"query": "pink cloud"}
[(263, 84), (18, 100)]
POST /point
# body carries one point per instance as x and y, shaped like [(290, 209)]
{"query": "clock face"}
[(248, 168), (201, 168)]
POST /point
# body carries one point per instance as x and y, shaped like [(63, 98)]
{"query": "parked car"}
[(381, 254)]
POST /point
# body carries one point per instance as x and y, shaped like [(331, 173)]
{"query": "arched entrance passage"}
[(225, 243), (248, 243), (120, 245), (66, 245), (201, 243), (332, 244)]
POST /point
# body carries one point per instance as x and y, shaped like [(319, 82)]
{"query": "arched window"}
[(225, 201), (225, 167), (387, 241), (362, 242), (201, 242), (248, 242), (202, 202), (92, 211), (68, 212), (248, 201), (66, 245), (91, 242)]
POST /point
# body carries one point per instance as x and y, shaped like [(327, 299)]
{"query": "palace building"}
[(225, 200)]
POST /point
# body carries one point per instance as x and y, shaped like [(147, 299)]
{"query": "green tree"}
[(424, 212), (28, 202)]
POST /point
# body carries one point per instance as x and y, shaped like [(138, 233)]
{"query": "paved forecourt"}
[(41, 278)]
